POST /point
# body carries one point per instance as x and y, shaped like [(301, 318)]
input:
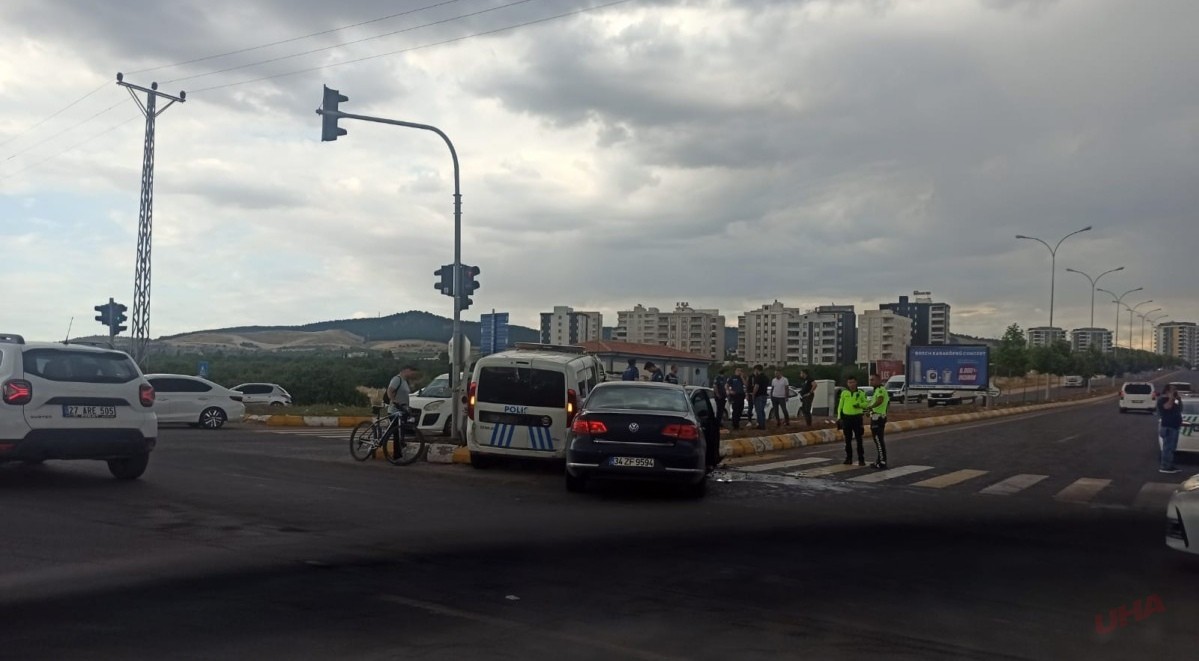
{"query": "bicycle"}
[(369, 436)]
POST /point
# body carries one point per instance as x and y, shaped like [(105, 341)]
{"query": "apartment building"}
[(1179, 339), (1082, 339), (566, 326), (930, 320), (762, 335), (883, 335), (686, 329), (1043, 336)]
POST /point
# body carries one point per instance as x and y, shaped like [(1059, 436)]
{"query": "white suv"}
[(263, 393), (73, 401), (1138, 396)]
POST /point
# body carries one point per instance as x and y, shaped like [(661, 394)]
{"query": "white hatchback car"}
[(1182, 517), (433, 402), (195, 401), (72, 401), (263, 393), (1138, 396)]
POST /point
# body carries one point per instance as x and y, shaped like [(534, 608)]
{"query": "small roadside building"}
[(615, 355)]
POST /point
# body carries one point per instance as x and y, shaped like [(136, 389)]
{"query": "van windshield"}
[(522, 386)]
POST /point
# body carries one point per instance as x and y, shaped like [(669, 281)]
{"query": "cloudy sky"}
[(721, 152)]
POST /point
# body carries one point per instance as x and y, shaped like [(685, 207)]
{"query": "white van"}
[(521, 402)]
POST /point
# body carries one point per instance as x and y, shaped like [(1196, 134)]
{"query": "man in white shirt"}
[(780, 390)]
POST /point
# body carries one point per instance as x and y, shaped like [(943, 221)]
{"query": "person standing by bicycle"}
[(399, 393)]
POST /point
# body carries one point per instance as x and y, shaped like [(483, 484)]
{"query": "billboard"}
[(950, 366), (886, 369), (493, 332)]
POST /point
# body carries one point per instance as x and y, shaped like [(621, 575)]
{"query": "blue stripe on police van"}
[(549, 438), (534, 438), (508, 440), (494, 430)]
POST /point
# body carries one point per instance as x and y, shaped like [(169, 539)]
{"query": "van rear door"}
[(521, 407)]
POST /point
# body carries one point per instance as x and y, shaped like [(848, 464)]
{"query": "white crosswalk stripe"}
[(889, 474), (1082, 490), (950, 479), (1013, 484), (757, 468), (826, 470), (1154, 495)]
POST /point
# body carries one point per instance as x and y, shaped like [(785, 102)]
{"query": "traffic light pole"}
[(459, 362)]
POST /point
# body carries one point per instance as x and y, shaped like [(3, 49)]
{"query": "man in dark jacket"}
[(737, 396), (631, 373), (1169, 409), (721, 395), (655, 372), (806, 395)]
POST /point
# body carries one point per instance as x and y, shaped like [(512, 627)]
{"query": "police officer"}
[(736, 388), (850, 407), (631, 373), (721, 394), (673, 376), (655, 372), (878, 420)]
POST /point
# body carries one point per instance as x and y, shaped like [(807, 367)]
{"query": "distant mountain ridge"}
[(411, 325)]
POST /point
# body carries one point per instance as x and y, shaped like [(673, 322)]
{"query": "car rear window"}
[(80, 366), (523, 386), (1138, 389), (1181, 386), (638, 399)]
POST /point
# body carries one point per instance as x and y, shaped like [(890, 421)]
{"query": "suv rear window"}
[(80, 366), (523, 386), (1138, 389), (1181, 386)]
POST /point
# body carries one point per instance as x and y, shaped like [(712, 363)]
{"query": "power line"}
[(547, 19), (291, 39), (71, 148), (52, 115), (347, 43), (66, 130)]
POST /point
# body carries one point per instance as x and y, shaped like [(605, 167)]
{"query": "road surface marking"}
[(1154, 495), (586, 641), (1082, 490), (890, 474), (1068, 438), (1013, 484), (826, 470), (950, 479), (755, 468)]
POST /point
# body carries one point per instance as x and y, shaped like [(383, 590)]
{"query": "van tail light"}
[(684, 432), (585, 427), (572, 405), (145, 393), (17, 392), (472, 398)]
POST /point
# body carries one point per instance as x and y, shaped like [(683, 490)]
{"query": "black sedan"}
[(642, 431)]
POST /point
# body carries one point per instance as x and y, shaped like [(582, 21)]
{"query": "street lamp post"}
[(1131, 311), (1094, 283), (1053, 263), (1143, 318), (1119, 300)]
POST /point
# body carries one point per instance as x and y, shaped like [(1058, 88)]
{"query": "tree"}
[(1012, 356)]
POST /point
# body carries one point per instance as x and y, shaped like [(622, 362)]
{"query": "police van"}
[(521, 402)]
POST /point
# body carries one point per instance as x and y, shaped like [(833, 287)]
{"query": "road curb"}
[(744, 447), (309, 420)]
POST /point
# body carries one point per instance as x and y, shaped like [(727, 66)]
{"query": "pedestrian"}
[(655, 374), (673, 377), (806, 395), (737, 396), (1169, 410), (780, 392), (879, 403), (399, 393), (630, 372), (721, 395), (761, 392), (850, 407)]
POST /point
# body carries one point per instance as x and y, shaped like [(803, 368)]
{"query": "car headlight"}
[(1191, 484), (433, 407)]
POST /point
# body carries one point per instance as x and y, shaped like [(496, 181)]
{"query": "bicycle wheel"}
[(411, 446), (364, 440)]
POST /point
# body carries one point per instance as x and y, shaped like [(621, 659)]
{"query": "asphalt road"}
[(257, 543)]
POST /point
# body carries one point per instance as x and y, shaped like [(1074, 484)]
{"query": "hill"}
[(405, 329)]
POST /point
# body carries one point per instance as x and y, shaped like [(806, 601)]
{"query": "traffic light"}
[(446, 285), (469, 284), (117, 312), (330, 114), (105, 316)]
